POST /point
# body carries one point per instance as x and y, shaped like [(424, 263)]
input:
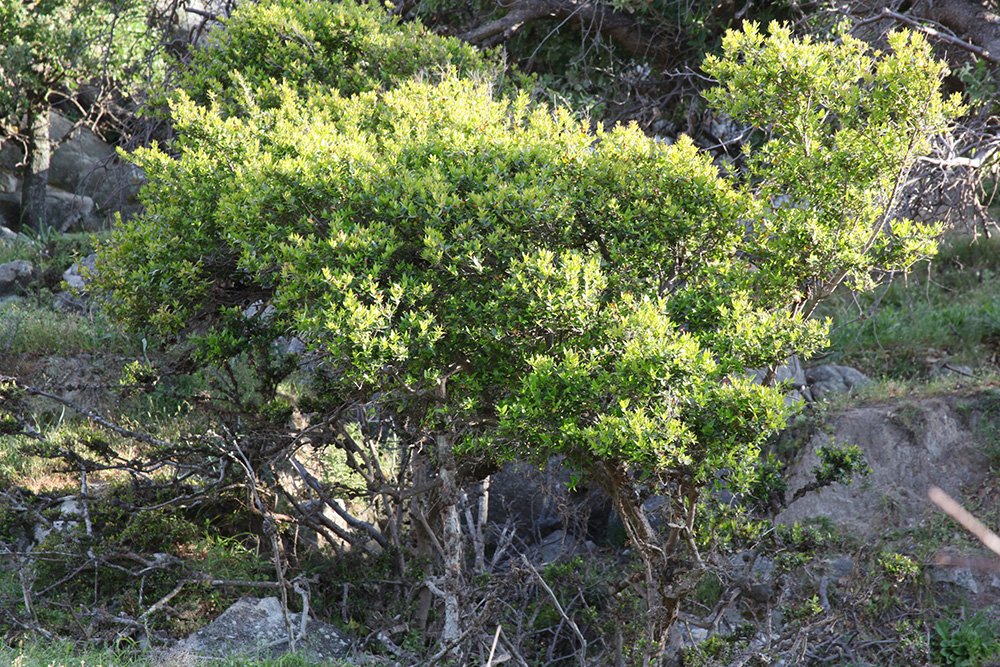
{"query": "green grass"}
[(28, 328), (68, 654), (946, 310)]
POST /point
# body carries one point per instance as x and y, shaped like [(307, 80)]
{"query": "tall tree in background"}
[(48, 50)]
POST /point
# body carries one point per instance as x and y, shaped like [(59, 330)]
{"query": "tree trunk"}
[(451, 545), (662, 599), (36, 175)]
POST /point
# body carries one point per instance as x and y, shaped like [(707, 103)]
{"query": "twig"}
[(582, 652), (493, 647)]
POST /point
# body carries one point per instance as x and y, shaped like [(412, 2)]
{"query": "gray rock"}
[(78, 275), (759, 579), (558, 545), (84, 164), (790, 372), (256, 626), (833, 379), (8, 182), (66, 212), (538, 501), (10, 211), (946, 369), (840, 567), (8, 234), (14, 275), (11, 154), (957, 576), (909, 446), (69, 212)]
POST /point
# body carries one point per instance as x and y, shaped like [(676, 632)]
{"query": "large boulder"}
[(11, 154), (833, 379), (86, 165), (536, 502), (8, 182), (909, 446), (257, 627), (66, 212), (10, 210)]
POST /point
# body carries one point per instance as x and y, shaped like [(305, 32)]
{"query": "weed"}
[(968, 642)]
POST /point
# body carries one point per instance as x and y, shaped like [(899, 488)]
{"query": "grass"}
[(946, 310), (28, 328), (68, 654)]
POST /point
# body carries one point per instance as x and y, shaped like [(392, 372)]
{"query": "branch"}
[(333, 504), (91, 415), (983, 53), (625, 30)]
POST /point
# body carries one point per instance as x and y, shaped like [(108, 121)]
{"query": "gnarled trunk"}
[(666, 577)]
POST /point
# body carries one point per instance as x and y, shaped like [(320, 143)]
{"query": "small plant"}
[(808, 609), (836, 464), (840, 464), (898, 567), (968, 642)]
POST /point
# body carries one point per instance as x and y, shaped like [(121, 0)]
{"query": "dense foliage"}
[(503, 281)]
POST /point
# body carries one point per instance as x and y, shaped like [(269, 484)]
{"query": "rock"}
[(945, 369), (957, 576), (256, 626), (790, 372), (86, 165), (539, 501), (67, 212), (11, 154), (558, 545), (15, 275), (759, 581), (833, 379), (792, 376), (10, 211), (8, 234), (909, 447), (8, 182), (78, 275), (840, 567)]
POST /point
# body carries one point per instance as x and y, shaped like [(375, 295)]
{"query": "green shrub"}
[(507, 283)]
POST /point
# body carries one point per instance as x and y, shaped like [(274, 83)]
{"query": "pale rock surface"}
[(256, 626), (8, 182), (833, 379)]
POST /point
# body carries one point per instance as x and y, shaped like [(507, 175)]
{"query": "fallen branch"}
[(624, 29), (954, 40)]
